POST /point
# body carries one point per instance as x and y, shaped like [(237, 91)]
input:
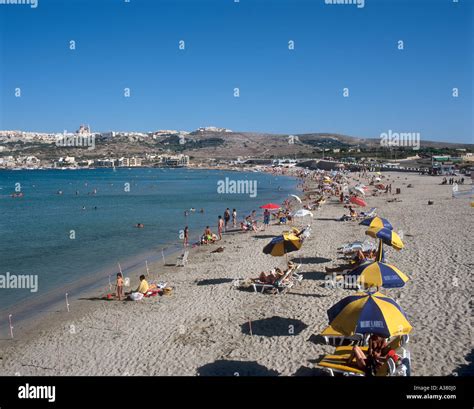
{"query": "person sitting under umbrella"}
[(377, 355), (361, 257)]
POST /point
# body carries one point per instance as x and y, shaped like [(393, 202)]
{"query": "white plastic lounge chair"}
[(371, 213), (354, 247), (183, 259), (279, 286)]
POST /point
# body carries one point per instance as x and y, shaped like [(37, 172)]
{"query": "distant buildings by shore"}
[(70, 162)]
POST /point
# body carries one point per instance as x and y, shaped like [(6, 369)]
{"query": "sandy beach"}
[(202, 328)]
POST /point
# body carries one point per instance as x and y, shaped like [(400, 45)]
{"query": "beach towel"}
[(152, 293)]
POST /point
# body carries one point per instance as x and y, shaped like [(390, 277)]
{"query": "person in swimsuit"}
[(119, 285), (226, 218), (377, 354), (186, 236), (220, 227)]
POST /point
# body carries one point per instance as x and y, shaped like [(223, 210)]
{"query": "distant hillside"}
[(203, 145)]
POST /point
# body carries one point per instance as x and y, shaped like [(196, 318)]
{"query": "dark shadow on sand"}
[(214, 281), (235, 368), (466, 369), (317, 339), (314, 275), (308, 295), (312, 260), (96, 299), (306, 371), (274, 327)]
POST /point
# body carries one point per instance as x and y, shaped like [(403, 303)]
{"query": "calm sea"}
[(76, 238)]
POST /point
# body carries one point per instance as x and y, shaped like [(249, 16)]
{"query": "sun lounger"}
[(279, 286), (183, 259), (371, 213), (354, 247), (337, 362), (335, 338), (283, 284)]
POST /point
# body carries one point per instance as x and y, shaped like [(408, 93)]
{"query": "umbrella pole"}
[(379, 251)]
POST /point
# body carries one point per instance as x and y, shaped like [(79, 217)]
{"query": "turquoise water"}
[(37, 230)]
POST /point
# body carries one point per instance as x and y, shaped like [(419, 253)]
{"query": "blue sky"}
[(135, 45)]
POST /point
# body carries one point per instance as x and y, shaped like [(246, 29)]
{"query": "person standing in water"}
[(186, 236), (226, 218), (234, 218)]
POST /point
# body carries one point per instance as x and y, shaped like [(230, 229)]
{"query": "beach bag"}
[(136, 296)]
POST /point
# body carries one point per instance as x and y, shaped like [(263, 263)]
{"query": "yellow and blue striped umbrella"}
[(368, 313), (377, 222), (388, 236), (377, 274), (281, 245)]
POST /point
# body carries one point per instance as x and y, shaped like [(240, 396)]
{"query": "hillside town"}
[(211, 146)]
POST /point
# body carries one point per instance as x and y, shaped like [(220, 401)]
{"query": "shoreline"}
[(200, 329), (26, 316)]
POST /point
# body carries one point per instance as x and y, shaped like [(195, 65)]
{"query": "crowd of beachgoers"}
[(327, 281)]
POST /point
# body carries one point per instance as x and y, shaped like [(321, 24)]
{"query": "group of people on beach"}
[(452, 181), (224, 223), (143, 287)]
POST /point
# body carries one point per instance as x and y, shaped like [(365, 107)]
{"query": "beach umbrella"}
[(270, 206), (284, 244), (368, 313), (359, 189), (377, 222), (302, 213), (296, 197), (388, 236), (331, 332), (378, 274), (357, 201)]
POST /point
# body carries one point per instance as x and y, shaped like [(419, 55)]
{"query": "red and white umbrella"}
[(270, 206), (357, 201)]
